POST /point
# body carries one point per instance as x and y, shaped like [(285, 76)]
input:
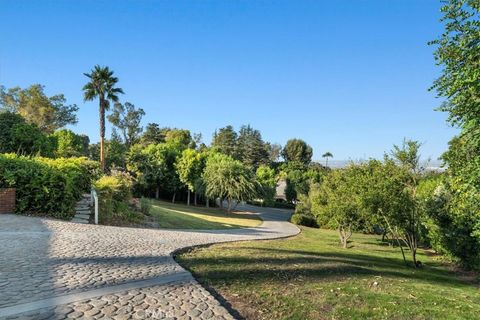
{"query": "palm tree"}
[(102, 86), (327, 155)]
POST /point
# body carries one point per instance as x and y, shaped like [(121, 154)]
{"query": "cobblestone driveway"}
[(52, 269)]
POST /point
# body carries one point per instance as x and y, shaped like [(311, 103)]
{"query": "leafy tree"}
[(17, 136), (101, 85), (337, 202), (267, 179), (385, 195), (181, 138), (299, 177), (327, 155), (457, 53), (225, 141), (154, 166), (153, 134), (190, 166), (227, 178), (297, 150), (68, 144), (115, 152), (251, 148), (47, 113), (274, 151), (127, 119)]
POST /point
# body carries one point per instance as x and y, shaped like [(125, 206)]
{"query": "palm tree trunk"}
[(102, 134)]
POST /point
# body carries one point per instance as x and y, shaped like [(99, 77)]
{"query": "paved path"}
[(51, 269)]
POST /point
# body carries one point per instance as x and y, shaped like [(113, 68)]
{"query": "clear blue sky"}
[(350, 77)]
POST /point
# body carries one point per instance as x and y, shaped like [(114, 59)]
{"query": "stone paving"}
[(52, 269)]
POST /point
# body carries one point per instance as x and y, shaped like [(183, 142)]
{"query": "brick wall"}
[(7, 200)]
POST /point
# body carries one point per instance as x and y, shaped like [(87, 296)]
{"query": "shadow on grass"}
[(264, 265)]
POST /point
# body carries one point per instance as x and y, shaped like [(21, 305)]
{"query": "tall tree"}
[(274, 151), (127, 119), (251, 148), (182, 138), (102, 85), (225, 141), (457, 53), (267, 179), (297, 150), (154, 166), (327, 155), (153, 134), (47, 113), (189, 167)]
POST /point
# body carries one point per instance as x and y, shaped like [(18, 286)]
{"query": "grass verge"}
[(310, 277)]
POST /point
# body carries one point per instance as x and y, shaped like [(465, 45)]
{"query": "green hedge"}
[(303, 220), (46, 186), (114, 194)]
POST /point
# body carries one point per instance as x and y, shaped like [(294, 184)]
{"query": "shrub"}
[(145, 206), (304, 220), (114, 193), (18, 136), (46, 186)]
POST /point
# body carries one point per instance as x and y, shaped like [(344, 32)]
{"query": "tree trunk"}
[(102, 134), (195, 199), (207, 202), (345, 234), (157, 192), (412, 245), (395, 235), (188, 197), (173, 198)]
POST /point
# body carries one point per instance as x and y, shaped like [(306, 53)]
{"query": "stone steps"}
[(83, 210)]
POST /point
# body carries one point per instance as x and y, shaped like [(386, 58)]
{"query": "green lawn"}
[(178, 216), (310, 277)]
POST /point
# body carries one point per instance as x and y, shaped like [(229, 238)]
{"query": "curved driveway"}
[(52, 269)]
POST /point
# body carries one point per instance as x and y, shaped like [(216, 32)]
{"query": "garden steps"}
[(83, 210)]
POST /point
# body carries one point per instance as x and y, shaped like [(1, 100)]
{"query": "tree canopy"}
[(297, 150), (47, 113), (127, 119)]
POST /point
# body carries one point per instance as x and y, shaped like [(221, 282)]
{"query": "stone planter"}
[(7, 200)]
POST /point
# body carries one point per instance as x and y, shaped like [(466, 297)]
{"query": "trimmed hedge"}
[(304, 220), (114, 194), (46, 186)]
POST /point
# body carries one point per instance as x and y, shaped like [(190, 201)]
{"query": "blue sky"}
[(350, 77)]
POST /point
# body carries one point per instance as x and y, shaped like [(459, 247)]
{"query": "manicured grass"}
[(178, 216), (310, 277)]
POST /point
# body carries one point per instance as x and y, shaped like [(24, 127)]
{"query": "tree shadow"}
[(275, 264)]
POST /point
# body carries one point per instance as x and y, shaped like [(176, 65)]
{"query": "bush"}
[(114, 194), (46, 186), (145, 206), (304, 220), (18, 136)]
